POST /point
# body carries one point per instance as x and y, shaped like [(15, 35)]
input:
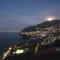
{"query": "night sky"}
[(18, 14)]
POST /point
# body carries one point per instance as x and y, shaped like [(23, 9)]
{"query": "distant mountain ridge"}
[(45, 24)]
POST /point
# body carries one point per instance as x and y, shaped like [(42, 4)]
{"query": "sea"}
[(8, 39)]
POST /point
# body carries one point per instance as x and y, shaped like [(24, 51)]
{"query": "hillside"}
[(42, 25)]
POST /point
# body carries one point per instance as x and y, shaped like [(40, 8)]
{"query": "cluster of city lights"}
[(18, 51)]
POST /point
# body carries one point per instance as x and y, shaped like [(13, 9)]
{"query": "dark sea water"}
[(8, 39)]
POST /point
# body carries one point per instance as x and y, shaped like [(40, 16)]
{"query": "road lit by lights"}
[(5, 54)]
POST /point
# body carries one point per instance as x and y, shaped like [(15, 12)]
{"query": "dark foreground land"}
[(45, 54)]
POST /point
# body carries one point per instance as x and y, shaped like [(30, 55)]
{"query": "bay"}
[(8, 39)]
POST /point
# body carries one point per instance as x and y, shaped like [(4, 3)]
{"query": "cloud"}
[(11, 22), (15, 16)]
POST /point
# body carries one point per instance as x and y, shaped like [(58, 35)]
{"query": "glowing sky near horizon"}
[(18, 14)]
